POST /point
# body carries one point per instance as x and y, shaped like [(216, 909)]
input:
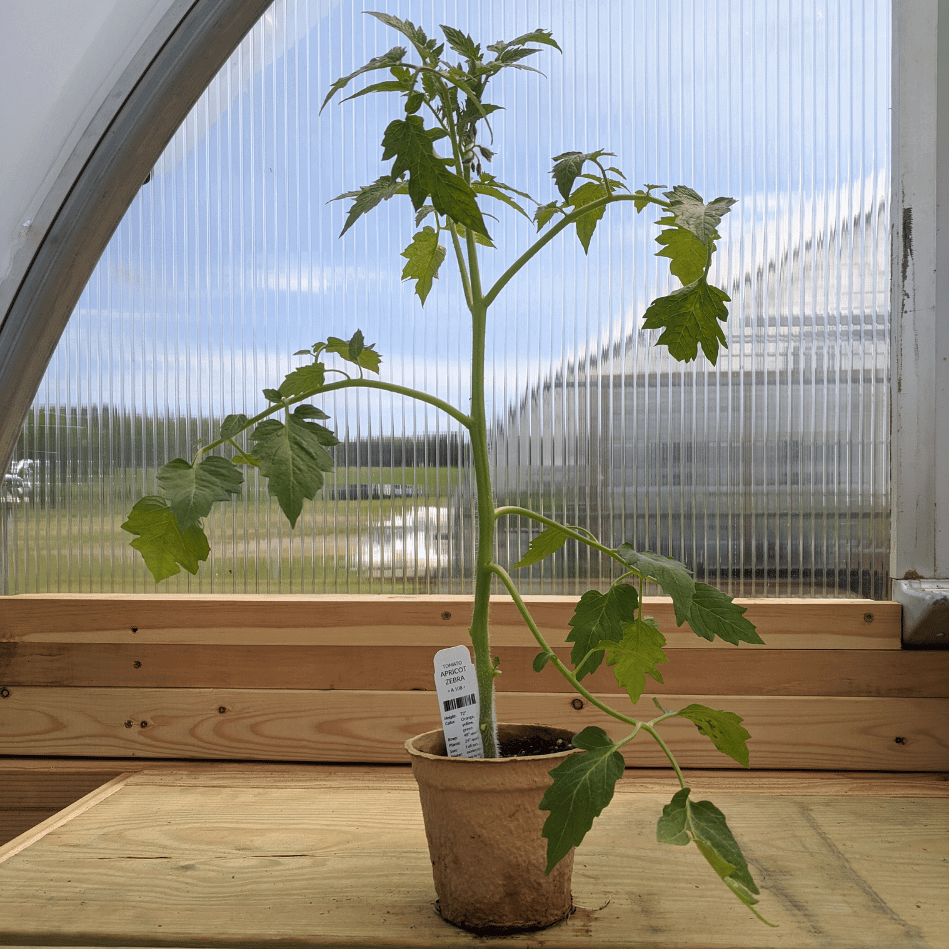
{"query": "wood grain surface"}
[(332, 858), (788, 732), (743, 670), (416, 620)]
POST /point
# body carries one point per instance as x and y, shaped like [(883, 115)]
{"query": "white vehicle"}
[(17, 486)]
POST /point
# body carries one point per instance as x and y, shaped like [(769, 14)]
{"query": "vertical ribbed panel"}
[(766, 472)]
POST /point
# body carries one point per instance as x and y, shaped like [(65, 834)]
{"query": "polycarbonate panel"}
[(765, 473)]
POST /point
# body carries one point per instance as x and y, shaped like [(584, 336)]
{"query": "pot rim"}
[(493, 762)]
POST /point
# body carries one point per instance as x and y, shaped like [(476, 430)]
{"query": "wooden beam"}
[(745, 670), (883, 734), (420, 620)]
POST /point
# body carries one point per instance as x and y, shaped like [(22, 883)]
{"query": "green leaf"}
[(191, 490), (723, 728), (600, 617), (479, 238), (675, 580), (303, 379), (493, 191), (583, 785), (683, 822), (541, 660), (368, 196), (415, 34), (586, 194), (293, 459), (311, 411), (547, 542), (164, 547), (688, 256), (411, 145), (387, 60), (535, 36), (424, 256), (272, 395), (636, 656), (462, 43), (641, 197), (714, 613), (390, 85), (356, 351), (692, 213), (568, 166), (690, 317), (233, 425)]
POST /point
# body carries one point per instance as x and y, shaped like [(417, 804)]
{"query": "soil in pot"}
[(483, 823)]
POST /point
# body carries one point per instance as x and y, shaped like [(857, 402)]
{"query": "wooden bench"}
[(245, 855)]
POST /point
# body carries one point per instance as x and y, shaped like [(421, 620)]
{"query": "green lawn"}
[(74, 543)]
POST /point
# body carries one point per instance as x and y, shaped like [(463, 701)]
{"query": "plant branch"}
[(563, 223), (507, 580)]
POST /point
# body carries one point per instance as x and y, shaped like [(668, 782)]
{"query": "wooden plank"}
[(187, 864), (342, 774), (744, 670), (882, 734), (385, 619)]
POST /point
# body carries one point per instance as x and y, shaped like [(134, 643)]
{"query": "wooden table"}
[(242, 855)]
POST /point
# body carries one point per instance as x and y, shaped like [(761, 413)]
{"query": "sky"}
[(229, 260)]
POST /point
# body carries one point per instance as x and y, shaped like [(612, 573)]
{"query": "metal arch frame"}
[(118, 150)]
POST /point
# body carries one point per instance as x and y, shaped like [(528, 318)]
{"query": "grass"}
[(76, 545)]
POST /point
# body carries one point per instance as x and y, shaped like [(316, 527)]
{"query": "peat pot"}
[(483, 825)]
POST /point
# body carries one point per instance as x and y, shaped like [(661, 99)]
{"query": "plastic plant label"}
[(457, 690)]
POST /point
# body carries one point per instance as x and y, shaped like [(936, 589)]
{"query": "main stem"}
[(484, 555)]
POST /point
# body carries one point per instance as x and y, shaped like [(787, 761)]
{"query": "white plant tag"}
[(457, 688)]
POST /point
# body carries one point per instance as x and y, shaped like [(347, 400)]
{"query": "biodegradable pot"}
[(483, 825)]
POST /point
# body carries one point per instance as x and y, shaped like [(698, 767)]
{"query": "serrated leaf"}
[(535, 36), (387, 60), (293, 459), (723, 728), (368, 196), (272, 395), (424, 256), (462, 43), (636, 655), (493, 191), (641, 197), (191, 490), (684, 821), (688, 256), (164, 547), (714, 613), (479, 238), (233, 425), (690, 317), (586, 224), (582, 786), (411, 145), (547, 542), (692, 213), (544, 213), (600, 617), (389, 85), (569, 165), (355, 350), (415, 34), (303, 379), (672, 576)]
